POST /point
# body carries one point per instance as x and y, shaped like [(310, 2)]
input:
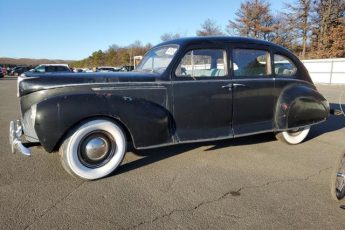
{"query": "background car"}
[(107, 69), (4, 71), (17, 71), (48, 68), (1, 73), (127, 68)]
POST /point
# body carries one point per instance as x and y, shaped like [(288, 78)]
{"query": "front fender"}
[(149, 123), (300, 105)]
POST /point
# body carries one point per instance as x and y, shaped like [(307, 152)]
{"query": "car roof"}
[(54, 65), (225, 39)]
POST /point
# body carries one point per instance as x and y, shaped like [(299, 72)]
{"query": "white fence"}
[(331, 71)]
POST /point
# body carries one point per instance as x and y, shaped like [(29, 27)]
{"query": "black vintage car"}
[(185, 90)]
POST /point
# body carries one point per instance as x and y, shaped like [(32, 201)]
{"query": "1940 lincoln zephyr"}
[(184, 90)]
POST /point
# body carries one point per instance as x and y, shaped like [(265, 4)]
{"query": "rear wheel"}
[(338, 179), (93, 150), (293, 137)]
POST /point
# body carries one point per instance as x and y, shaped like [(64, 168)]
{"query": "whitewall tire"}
[(94, 149), (293, 137)]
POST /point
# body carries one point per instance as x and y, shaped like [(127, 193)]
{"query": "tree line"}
[(309, 28)]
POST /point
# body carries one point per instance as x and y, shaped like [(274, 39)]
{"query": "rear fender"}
[(298, 106)]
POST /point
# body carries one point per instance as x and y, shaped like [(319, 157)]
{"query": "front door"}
[(202, 95)]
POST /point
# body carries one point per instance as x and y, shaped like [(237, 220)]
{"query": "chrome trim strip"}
[(126, 88), (105, 83)]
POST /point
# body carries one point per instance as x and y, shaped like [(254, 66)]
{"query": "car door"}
[(253, 89), (202, 100)]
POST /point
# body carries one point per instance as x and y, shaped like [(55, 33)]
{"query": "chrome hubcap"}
[(96, 148)]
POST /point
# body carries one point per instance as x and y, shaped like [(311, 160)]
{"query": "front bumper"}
[(16, 131)]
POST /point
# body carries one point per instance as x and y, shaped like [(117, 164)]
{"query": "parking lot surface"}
[(252, 182)]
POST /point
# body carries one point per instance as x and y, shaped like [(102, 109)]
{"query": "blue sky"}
[(73, 29)]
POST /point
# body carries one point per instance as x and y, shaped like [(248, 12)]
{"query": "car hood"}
[(32, 82)]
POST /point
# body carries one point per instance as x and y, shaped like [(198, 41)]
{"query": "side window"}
[(283, 66), (203, 63), (40, 69), (251, 63), (62, 69), (50, 68)]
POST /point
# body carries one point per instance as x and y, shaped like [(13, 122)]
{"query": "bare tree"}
[(298, 18), (282, 33), (329, 26), (209, 28), (253, 19), (170, 36)]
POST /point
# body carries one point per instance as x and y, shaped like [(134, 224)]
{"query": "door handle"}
[(229, 86), (240, 85)]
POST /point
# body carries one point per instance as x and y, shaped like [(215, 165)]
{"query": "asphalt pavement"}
[(252, 182)]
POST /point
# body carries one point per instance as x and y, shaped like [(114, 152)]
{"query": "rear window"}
[(62, 69), (251, 63), (283, 66)]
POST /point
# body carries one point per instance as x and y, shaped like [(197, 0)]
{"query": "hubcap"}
[(96, 149)]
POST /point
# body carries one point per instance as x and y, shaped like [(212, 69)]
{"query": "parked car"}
[(185, 90), (1, 73), (4, 71), (17, 71), (8, 70), (126, 68), (50, 68), (107, 69), (78, 70)]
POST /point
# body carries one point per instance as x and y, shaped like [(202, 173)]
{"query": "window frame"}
[(294, 76), (227, 68)]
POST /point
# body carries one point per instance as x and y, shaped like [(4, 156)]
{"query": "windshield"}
[(158, 59)]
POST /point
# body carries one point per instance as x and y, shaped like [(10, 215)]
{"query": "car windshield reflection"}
[(158, 59)]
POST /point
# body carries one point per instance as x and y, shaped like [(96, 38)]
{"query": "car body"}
[(184, 90), (17, 71)]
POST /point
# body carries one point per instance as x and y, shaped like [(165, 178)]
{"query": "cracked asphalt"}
[(248, 183)]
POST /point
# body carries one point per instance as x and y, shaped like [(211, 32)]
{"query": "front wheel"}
[(293, 137), (93, 150)]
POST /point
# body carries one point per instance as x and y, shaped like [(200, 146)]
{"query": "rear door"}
[(201, 93), (253, 89)]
